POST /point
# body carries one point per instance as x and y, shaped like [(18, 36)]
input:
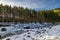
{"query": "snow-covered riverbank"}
[(38, 34)]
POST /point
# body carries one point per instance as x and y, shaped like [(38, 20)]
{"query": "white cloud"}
[(31, 3), (24, 3)]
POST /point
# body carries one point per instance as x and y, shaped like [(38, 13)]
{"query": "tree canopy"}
[(20, 14)]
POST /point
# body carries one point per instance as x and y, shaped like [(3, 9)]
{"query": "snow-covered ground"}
[(47, 33)]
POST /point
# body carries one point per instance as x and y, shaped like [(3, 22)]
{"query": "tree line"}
[(20, 14)]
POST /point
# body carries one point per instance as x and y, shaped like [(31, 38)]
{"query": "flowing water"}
[(34, 31)]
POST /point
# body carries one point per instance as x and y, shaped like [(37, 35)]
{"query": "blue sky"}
[(33, 4)]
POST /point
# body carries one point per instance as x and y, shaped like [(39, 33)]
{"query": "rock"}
[(28, 36), (8, 39), (3, 29), (0, 36), (23, 38)]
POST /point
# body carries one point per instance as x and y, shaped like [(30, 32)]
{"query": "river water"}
[(31, 31)]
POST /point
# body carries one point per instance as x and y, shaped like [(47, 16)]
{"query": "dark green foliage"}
[(20, 14)]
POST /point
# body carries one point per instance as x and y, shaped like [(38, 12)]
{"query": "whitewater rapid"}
[(38, 34)]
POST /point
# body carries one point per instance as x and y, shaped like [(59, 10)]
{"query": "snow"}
[(38, 34)]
